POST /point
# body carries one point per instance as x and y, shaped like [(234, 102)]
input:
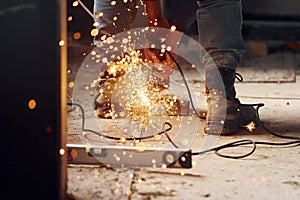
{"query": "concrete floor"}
[(269, 173)]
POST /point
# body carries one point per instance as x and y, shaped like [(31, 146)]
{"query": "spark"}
[(71, 84), (103, 37), (125, 41), (123, 140), (61, 43), (141, 104), (140, 180), (183, 158), (96, 24), (94, 32), (93, 84), (75, 3), (109, 40), (77, 35), (31, 104), (61, 151), (48, 129), (250, 126), (129, 192), (73, 153), (173, 28), (157, 137), (105, 60)]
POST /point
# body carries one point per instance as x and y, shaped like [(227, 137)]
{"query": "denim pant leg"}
[(113, 19), (219, 27), (181, 13)]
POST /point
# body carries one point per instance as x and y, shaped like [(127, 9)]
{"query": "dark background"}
[(30, 69)]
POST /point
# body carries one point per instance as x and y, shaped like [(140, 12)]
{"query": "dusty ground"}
[(269, 173)]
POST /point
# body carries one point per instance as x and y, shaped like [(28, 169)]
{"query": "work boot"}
[(226, 115), (102, 104)]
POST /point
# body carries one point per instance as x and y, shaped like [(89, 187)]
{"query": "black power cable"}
[(111, 137)]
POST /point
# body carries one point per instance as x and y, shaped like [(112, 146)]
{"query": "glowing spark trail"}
[(250, 126)]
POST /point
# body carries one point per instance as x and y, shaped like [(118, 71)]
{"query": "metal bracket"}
[(130, 157)]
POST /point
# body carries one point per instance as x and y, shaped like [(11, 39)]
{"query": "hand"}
[(162, 63)]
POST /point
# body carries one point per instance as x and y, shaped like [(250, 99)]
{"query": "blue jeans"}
[(219, 26), (219, 23), (105, 13)]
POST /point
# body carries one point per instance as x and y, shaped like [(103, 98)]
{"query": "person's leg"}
[(180, 13), (219, 26), (111, 19)]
